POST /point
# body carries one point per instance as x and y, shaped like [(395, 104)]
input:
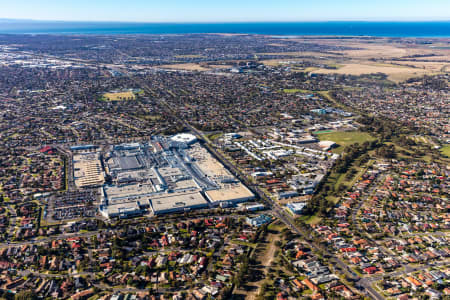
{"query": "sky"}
[(225, 10)]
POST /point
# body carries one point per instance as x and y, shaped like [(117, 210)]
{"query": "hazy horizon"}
[(202, 11), (233, 22), (320, 28)]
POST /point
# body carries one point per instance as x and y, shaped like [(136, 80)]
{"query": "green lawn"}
[(276, 226), (403, 152), (214, 136), (445, 150), (334, 180), (360, 171), (345, 138), (322, 131), (313, 220)]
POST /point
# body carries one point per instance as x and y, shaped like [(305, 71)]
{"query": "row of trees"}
[(384, 128), (356, 153)]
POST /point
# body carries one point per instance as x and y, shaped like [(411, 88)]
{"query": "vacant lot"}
[(301, 54), (119, 96), (394, 72), (263, 256), (377, 50), (187, 67), (426, 65), (189, 56), (384, 49), (374, 56), (220, 66), (345, 138)]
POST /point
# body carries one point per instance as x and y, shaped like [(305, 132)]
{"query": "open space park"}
[(119, 96), (445, 150), (345, 138)]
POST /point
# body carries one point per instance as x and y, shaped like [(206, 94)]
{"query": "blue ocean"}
[(353, 28)]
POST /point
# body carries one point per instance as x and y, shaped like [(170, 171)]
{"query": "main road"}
[(277, 210), (281, 214)]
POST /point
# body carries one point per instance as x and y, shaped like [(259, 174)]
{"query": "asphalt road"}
[(49, 239), (277, 211)]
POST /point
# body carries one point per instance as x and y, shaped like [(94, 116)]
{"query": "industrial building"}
[(83, 148), (123, 210), (87, 170), (186, 138), (229, 188), (234, 193), (163, 175), (296, 208), (259, 220), (177, 202), (251, 206)]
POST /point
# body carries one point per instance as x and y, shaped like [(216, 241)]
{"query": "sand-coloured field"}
[(187, 67), (394, 72), (398, 59), (196, 67), (119, 96), (426, 65)]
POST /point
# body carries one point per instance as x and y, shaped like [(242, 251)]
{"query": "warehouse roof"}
[(230, 192), (177, 201)]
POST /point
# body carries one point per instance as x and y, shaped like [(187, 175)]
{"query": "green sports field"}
[(345, 138), (294, 91), (445, 150)]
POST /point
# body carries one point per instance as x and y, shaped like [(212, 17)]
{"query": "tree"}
[(225, 293), (25, 295), (130, 282), (263, 289), (387, 151)]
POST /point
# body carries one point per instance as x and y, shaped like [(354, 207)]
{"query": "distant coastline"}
[(422, 29)]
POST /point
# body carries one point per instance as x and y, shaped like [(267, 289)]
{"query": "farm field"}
[(395, 60), (394, 72), (220, 66), (187, 67), (189, 56)]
